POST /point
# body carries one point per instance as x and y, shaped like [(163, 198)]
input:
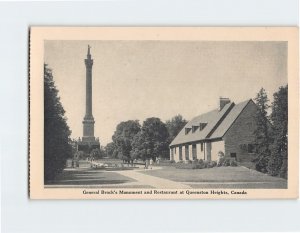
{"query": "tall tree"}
[(110, 150), (57, 143), (152, 141), (174, 126), (278, 161), (140, 147), (123, 137), (262, 133)]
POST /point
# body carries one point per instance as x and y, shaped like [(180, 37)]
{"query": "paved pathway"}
[(153, 181)]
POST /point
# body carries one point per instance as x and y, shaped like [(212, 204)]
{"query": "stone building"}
[(229, 129)]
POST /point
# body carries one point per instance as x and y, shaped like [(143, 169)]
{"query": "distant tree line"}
[(271, 135), (133, 141)]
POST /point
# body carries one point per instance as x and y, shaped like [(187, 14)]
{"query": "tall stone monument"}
[(88, 141)]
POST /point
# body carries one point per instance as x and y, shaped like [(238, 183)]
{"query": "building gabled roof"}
[(217, 124), (229, 119)]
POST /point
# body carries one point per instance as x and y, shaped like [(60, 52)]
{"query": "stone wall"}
[(241, 133), (88, 127)]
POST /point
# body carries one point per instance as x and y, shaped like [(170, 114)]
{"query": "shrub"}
[(209, 165), (172, 161), (199, 164), (226, 163), (196, 161), (213, 163), (184, 166), (220, 162), (195, 166), (233, 163), (205, 164)]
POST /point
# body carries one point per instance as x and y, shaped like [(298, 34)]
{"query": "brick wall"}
[(241, 132)]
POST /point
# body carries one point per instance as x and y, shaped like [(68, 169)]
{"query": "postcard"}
[(163, 113)]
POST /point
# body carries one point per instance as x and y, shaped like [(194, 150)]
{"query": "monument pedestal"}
[(87, 144)]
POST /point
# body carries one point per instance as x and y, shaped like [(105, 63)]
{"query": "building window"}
[(202, 126), (251, 148), (172, 153), (180, 153), (201, 146), (194, 128), (194, 151), (175, 150), (187, 130), (233, 155)]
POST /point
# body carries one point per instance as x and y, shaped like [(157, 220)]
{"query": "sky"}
[(135, 80)]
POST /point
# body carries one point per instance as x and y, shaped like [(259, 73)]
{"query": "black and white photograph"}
[(147, 116)]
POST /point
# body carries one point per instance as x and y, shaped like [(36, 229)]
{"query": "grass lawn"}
[(264, 185), (218, 175), (89, 177)]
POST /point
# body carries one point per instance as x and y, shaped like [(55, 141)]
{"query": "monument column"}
[(88, 121), (88, 141)]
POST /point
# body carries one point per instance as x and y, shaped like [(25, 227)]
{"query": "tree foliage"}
[(174, 126), (277, 164), (110, 150), (140, 147), (97, 153), (151, 141), (262, 133), (57, 146), (123, 137)]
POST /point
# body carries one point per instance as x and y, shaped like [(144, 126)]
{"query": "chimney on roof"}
[(223, 102)]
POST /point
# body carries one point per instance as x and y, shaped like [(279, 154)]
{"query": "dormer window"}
[(202, 126), (194, 128), (187, 130)]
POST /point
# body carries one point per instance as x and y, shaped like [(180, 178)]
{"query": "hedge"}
[(201, 164)]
